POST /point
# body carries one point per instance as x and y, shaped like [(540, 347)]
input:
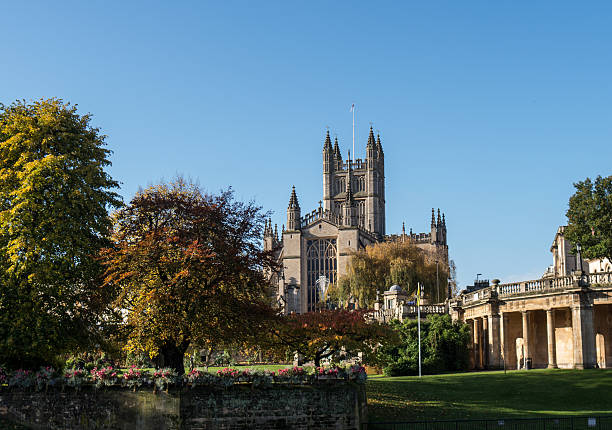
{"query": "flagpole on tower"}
[(353, 110)]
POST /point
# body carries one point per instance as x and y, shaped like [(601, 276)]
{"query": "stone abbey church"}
[(316, 246)]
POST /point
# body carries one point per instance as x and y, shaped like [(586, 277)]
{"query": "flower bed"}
[(163, 379)]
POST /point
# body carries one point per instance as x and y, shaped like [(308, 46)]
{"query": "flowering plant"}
[(164, 378), (198, 377), (293, 375), (21, 379), (262, 378), (357, 373), (227, 376), (74, 378), (105, 376), (3, 376), (44, 378), (135, 378)]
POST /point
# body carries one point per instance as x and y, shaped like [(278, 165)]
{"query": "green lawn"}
[(483, 395)]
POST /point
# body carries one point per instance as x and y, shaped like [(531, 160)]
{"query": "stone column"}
[(477, 361), (584, 336), (525, 336), (502, 338), (485, 343), (552, 346), (494, 359)]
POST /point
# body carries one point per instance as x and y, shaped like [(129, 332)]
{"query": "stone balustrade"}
[(549, 322)]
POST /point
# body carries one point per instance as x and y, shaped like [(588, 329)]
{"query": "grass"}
[(517, 394)]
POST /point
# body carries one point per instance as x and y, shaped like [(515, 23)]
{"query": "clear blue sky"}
[(488, 110)]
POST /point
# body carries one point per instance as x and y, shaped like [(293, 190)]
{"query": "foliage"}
[(444, 347), (590, 218), (164, 378), (21, 378), (327, 334), (377, 267), (136, 378), (75, 378), (106, 376), (188, 269), (3, 376), (45, 378), (54, 196)]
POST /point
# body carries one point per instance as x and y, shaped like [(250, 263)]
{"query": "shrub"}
[(75, 378), (444, 347), (136, 378), (21, 378), (105, 376), (164, 378), (44, 378)]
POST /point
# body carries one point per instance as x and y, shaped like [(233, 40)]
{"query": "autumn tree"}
[(590, 217), (381, 265), (54, 196), (320, 335), (188, 269)]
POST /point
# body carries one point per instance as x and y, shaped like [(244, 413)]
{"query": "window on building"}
[(321, 260)]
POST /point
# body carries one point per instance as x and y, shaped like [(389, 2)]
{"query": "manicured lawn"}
[(482, 395)]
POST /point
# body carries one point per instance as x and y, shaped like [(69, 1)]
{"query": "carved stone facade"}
[(316, 247), (551, 322)]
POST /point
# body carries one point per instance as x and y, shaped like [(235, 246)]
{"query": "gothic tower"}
[(367, 184), (293, 212)]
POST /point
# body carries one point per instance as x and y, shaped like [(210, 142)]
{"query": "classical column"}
[(552, 346), (477, 362), (485, 343), (525, 337), (502, 338), (494, 360), (584, 336)]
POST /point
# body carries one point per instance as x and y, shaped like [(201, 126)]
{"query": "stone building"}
[(562, 320), (564, 262), (315, 247)]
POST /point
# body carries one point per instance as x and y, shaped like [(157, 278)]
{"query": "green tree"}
[(54, 197), (188, 270), (590, 217), (381, 265), (444, 347)]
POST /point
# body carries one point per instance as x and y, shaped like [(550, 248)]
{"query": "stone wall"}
[(322, 406)]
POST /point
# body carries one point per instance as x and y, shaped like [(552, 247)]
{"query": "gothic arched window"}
[(321, 260)]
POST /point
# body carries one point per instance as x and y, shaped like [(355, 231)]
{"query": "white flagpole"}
[(353, 110), (419, 322)]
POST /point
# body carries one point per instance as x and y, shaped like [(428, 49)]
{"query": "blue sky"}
[(488, 110)]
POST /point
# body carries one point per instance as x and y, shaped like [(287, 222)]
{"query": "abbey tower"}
[(315, 247)]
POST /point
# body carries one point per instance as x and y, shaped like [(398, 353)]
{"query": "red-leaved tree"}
[(187, 268)]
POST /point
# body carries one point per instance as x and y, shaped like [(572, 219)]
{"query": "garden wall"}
[(319, 406)]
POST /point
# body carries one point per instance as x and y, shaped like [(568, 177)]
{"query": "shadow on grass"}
[(517, 394)]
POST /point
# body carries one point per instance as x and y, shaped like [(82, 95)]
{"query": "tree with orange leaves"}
[(187, 269)]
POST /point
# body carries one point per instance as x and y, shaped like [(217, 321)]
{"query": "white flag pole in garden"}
[(419, 322)]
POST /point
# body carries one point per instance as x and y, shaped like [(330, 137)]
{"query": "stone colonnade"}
[(570, 329)]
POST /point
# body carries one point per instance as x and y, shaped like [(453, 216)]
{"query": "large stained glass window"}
[(321, 255)]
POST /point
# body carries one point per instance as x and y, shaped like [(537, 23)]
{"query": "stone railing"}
[(318, 214), (544, 284), (407, 312)]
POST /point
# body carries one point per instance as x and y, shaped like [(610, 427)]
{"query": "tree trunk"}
[(172, 356), (317, 360)]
